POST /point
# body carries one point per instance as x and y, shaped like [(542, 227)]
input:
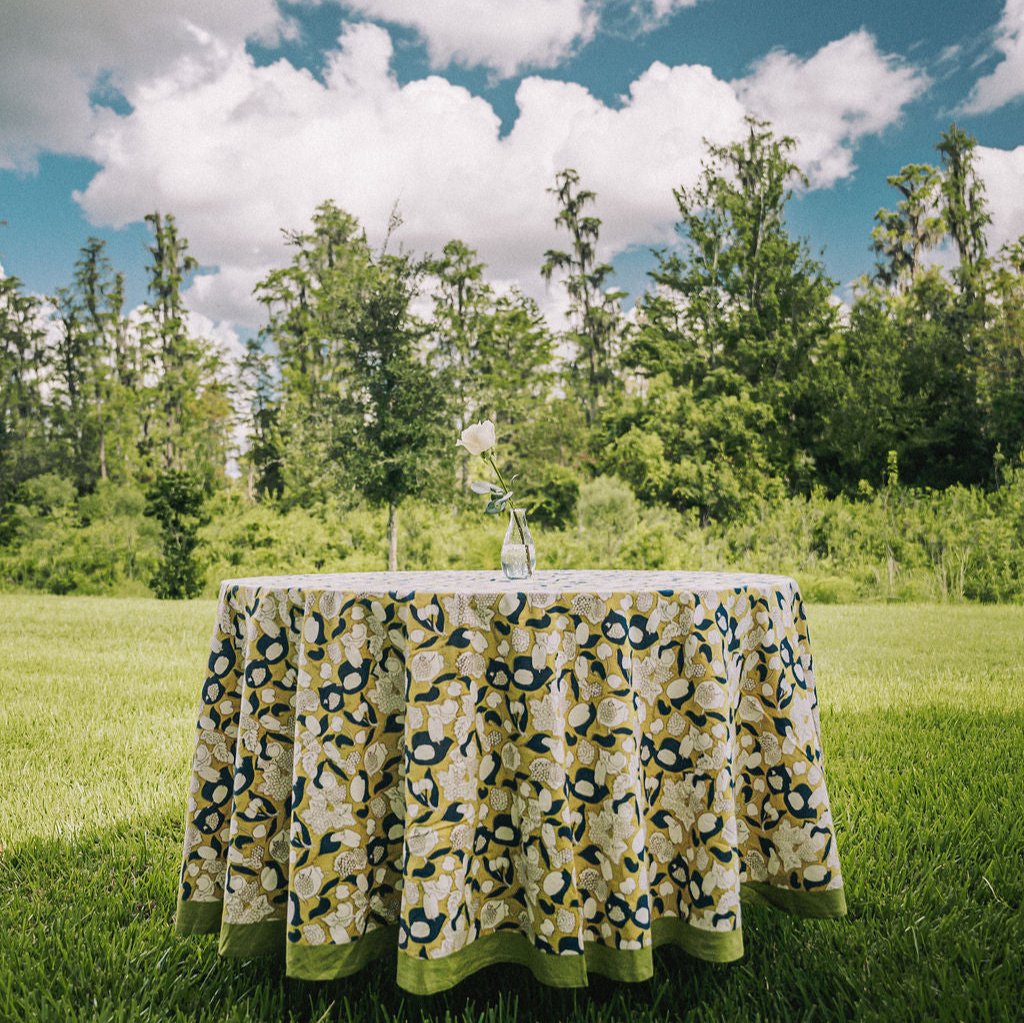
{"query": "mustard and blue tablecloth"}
[(563, 772)]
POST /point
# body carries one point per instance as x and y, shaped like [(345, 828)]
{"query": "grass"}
[(924, 740)]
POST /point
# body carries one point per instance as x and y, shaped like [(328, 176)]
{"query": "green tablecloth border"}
[(194, 917), (829, 903), (428, 976), (241, 941), (328, 962)]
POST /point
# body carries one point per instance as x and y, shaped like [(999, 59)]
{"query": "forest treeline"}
[(737, 415)]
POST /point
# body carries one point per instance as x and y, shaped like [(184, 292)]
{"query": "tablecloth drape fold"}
[(564, 776)]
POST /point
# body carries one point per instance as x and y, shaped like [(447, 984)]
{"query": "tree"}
[(176, 500), (25, 446), (395, 413), (594, 311), (260, 415), (463, 305), (742, 309), (861, 374), (707, 452), (94, 369), (1001, 370), (514, 376), (902, 236), (312, 306), (931, 370), (965, 208), (496, 356), (187, 416)]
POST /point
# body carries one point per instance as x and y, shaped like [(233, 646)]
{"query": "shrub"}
[(893, 544), (175, 499)]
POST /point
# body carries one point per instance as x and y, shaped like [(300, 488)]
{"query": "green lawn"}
[(924, 741)]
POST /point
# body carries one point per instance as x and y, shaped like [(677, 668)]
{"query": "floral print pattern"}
[(453, 756)]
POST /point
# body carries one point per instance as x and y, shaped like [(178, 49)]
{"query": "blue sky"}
[(242, 119)]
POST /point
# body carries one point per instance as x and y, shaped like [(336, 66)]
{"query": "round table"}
[(563, 772)]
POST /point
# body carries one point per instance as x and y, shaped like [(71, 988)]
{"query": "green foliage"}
[(740, 316), (638, 457), (258, 392), (312, 305), (99, 544), (891, 543), (594, 309), (393, 419), (739, 419), (695, 449), (23, 437), (902, 236), (965, 209), (189, 408), (550, 495), (176, 500), (607, 505)]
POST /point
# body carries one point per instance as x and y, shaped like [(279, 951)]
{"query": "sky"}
[(240, 117)]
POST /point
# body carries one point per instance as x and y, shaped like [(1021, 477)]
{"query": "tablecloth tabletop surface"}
[(554, 581)]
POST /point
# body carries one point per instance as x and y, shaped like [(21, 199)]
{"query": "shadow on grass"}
[(931, 825)]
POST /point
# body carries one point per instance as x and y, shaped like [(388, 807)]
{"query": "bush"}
[(100, 544), (894, 544), (828, 589), (175, 499)]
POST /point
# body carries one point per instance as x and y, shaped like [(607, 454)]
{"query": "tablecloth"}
[(563, 772)]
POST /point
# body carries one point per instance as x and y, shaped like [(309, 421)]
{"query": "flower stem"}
[(504, 486)]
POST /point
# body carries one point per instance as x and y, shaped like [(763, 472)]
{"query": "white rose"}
[(476, 439)]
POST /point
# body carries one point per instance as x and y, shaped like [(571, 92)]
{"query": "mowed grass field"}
[(924, 739)]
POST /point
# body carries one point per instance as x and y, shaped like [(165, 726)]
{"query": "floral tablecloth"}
[(563, 773)]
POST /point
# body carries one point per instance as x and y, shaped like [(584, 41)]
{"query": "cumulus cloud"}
[(242, 151), (53, 54), (831, 100), (653, 12), (505, 36), (1002, 170), (238, 152), (1006, 81)]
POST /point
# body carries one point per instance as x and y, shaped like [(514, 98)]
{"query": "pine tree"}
[(594, 309), (902, 236), (312, 305), (25, 448), (188, 408), (743, 309)]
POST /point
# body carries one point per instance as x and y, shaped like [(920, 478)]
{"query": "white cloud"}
[(238, 152), (53, 53), (1006, 81), (503, 35), (1002, 170), (653, 12), (221, 332), (828, 102)]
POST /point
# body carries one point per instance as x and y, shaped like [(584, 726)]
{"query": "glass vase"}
[(518, 554)]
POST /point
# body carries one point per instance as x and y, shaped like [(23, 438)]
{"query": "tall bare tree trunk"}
[(392, 537)]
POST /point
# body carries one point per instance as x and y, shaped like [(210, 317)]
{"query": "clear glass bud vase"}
[(518, 554)]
